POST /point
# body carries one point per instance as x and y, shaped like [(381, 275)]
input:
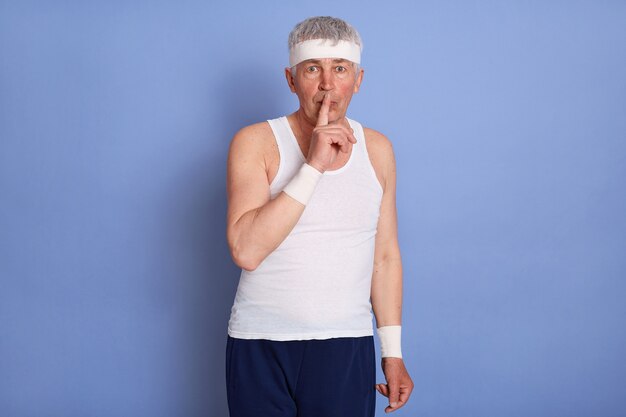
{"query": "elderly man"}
[(312, 223)]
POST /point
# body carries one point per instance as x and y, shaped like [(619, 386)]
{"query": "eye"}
[(312, 68), (341, 68)]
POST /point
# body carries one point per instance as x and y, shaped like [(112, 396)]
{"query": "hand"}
[(328, 139), (399, 384)]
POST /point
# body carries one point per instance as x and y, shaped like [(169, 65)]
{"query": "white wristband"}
[(390, 341), (303, 184)]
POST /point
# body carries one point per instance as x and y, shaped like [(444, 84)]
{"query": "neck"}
[(304, 126)]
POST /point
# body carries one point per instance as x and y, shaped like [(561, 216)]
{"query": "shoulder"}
[(378, 141), (379, 147), (256, 140), (380, 151), (253, 134)]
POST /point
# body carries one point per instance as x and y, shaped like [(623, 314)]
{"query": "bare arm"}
[(386, 290), (256, 225)]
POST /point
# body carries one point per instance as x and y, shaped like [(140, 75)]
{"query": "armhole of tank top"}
[(275, 130), (368, 161)]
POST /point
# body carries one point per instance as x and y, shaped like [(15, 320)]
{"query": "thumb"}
[(322, 117)]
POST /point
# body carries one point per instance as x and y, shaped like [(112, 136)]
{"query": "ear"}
[(290, 80), (359, 78)]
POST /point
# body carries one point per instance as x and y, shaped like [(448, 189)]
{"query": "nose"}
[(326, 81)]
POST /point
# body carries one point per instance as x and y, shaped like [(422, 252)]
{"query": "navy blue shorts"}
[(301, 378)]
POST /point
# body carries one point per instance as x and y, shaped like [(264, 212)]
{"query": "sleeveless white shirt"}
[(316, 284)]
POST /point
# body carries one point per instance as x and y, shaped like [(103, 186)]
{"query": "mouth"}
[(332, 102)]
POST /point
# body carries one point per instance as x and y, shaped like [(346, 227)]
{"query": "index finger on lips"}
[(322, 117)]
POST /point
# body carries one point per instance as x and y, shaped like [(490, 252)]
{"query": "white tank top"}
[(316, 284)]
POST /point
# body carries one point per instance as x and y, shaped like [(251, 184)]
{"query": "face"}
[(316, 77)]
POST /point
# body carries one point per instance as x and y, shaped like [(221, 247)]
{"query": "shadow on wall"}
[(240, 98)]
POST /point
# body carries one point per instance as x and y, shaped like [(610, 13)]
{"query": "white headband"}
[(324, 48)]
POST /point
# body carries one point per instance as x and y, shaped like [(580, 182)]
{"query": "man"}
[(312, 223)]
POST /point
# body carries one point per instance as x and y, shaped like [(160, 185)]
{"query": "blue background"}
[(508, 120)]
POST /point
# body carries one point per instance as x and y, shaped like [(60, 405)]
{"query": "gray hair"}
[(324, 27)]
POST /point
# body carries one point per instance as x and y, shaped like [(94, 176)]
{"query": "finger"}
[(338, 137), (350, 134), (322, 117), (349, 130), (404, 394), (345, 147), (346, 139), (394, 395), (344, 133), (390, 408), (332, 130)]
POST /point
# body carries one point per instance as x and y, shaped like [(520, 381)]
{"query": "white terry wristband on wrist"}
[(390, 341), (303, 184)]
